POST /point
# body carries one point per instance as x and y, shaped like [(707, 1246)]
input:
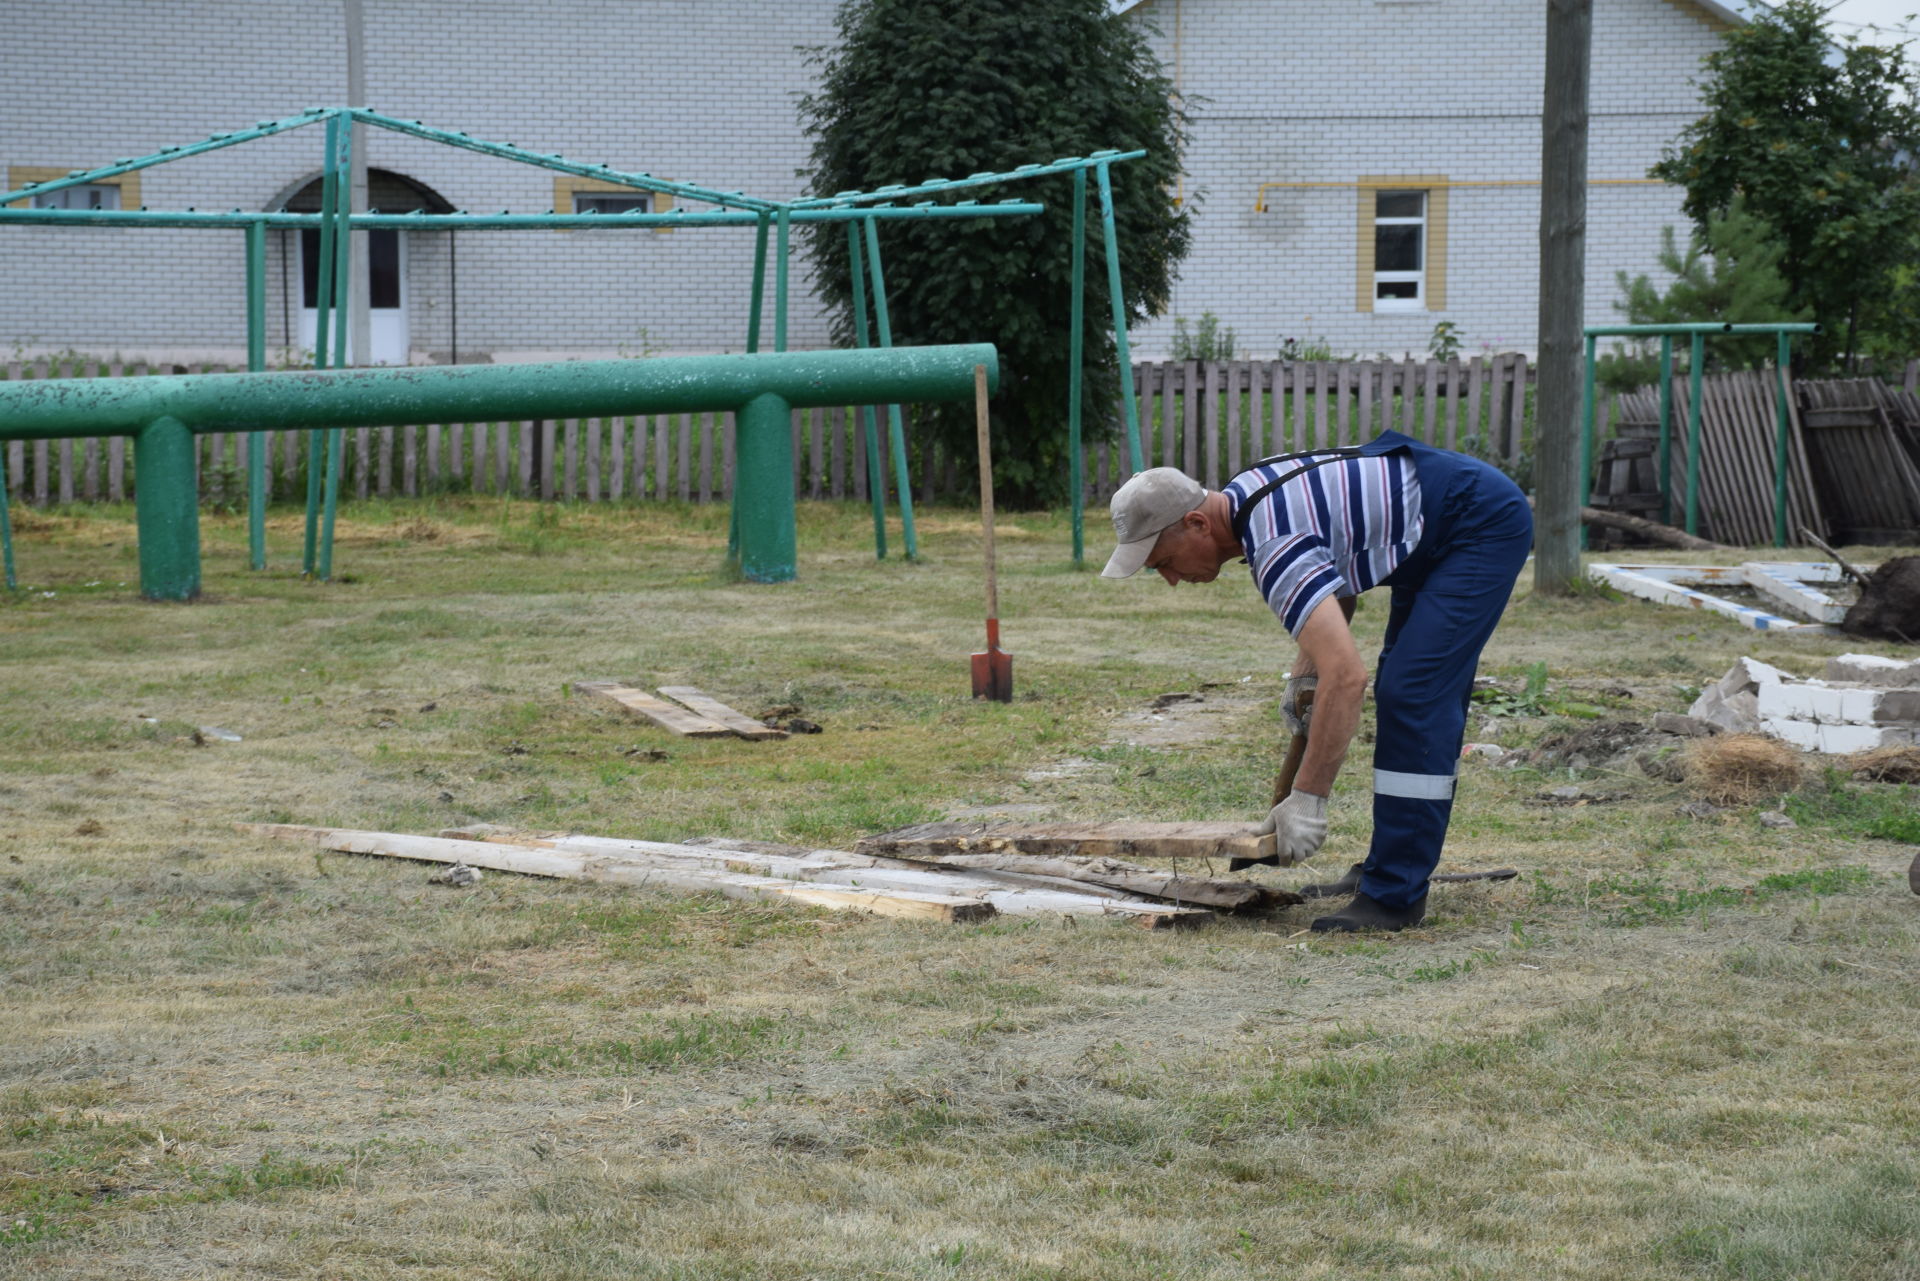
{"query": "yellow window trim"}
[(1367, 186), (565, 188), (19, 176)]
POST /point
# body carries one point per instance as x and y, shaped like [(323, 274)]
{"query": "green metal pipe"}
[(257, 362), (1666, 429), (53, 409), (780, 288), (1076, 347), (342, 293), (935, 186), (423, 221), (1586, 434), (556, 161), (213, 142), (759, 282), (1112, 237), (1697, 358), (166, 498), (1702, 327), (876, 483), (322, 336), (763, 462), (1780, 366), (896, 430), (6, 527)]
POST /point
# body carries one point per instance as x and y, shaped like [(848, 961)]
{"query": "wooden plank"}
[(569, 460), (660, 470), (1012, 893), (1234, 370), (704, 704), (1516, 436), (816, 454), (1432, 395), (410, 461), (617, 458), (836, 451), (1367, 431), (533, 860), (503, 457), (1232, 896), (728, 428), (664, 714), (1190, 417), (1111, 840), (593, 428), (1210, 425), (706, 430), (685, 470)]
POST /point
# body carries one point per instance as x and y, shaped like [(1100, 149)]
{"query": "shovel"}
[(992, 670)]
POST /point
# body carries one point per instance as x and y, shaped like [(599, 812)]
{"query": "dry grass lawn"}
[(1675, 1047)]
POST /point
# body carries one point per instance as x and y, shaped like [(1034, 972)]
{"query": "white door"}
[(385, 275)]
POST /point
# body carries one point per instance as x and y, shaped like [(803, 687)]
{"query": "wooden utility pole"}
[(1563, 287)]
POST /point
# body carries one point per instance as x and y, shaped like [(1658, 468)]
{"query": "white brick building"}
[(1305, 110)]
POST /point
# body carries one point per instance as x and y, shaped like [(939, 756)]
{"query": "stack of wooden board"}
[(700, 716), (936, 886)]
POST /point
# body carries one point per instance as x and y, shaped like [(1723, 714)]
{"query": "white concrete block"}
[(1749, 674), (1839, 740), (1802, 734), (1873, 669)]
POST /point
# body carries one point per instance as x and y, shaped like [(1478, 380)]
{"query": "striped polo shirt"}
[(1333, 531)]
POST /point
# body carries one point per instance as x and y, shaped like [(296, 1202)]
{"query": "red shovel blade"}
[(993, 670)]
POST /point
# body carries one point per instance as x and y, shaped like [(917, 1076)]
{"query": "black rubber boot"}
[(1366, 913), (1347, 884)]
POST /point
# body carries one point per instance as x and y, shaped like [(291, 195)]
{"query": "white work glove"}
[(1299, 827), (1297, 720)]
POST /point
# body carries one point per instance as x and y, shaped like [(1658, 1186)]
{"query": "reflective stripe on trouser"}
[(1436, 629)]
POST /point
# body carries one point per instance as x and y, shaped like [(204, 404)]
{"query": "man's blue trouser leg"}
[(1437, 627)]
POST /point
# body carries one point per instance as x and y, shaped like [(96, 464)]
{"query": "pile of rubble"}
[(1863, 702)]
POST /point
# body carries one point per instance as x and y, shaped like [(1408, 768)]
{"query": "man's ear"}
[(1196, 520)]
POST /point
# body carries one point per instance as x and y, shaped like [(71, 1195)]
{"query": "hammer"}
[(1296, 752)]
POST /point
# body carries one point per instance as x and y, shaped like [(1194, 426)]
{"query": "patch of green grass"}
[(1645, 899), (1885, 812)]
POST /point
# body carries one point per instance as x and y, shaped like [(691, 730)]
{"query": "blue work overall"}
[(1447, 597)]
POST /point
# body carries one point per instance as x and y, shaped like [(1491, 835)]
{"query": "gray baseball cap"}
[(1143, 508)]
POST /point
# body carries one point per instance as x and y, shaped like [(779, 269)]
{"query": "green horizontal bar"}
[(265, 128), (456, 221), (51, 409), (1700, 327), (560, 164), (934, 185)]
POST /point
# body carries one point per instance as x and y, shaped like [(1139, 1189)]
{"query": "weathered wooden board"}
[(1093, 840), (1014, 895), (1232, 896), (548, 860), (662, 713), (719, 713)]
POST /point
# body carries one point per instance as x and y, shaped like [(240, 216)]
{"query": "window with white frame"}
[(1400, 250), (88, 195)]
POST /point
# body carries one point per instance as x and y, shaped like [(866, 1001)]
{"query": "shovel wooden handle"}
[(986, 484)]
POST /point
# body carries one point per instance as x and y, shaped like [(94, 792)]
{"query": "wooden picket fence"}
[(1209, 418)]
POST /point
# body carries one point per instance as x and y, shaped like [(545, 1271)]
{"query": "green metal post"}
[(763, 461), (1781, 344), (896, 430), (342, 278), (753, 345), (1076, 343), (780, 289), (322, 335), (1586, 434), (876, 482), (759, 282), (257, 362), (1666, 429), (6, 526), (1697, 355), (166, 502), (1112, 237)]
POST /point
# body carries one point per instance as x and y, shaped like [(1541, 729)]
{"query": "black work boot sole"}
[(1366, 913), (1347, 884)]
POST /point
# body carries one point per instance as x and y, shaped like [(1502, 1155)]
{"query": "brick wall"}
[(1297, 91)]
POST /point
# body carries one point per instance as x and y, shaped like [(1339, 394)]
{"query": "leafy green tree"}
[(929, 88), (1729, 272), (1817, 140)]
